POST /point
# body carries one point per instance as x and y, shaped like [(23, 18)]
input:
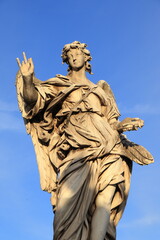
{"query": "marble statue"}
[(84, 159)]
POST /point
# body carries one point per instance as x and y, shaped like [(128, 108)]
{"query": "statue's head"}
[(80, 47)]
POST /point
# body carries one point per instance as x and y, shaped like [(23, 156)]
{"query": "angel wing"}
[(46, 168), (113, 110), (135, 152), (132, 151)]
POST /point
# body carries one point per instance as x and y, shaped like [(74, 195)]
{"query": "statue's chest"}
[(84, 96)]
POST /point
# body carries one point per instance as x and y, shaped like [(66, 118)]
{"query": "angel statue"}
[(84, 159)]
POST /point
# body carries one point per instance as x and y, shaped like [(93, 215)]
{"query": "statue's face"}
[(76, 59)]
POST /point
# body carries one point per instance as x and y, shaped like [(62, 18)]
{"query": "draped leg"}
[(82, 182), (75, 197), (115, 171)]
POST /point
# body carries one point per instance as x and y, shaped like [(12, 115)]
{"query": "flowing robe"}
[(79, 153)]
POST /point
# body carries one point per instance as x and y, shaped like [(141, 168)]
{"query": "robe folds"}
[(79, 153)]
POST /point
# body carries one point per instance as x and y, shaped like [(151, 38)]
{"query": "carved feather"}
[(135, 152)]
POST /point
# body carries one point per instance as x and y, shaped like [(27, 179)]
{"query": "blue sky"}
[(124, 39)]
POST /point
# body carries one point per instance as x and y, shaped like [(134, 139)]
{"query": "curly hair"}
[(82, 47)]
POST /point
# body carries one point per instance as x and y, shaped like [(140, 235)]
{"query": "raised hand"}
[(130, 124), (29, 92), (26, 67)]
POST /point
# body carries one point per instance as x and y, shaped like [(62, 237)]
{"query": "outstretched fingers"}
[(24, 57), (26, 66), (139, 122), (24, 61), (19, 63)]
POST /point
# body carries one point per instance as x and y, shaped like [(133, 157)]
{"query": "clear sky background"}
[(124, 39)]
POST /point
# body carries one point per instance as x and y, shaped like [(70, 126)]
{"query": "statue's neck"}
[(78, 77)]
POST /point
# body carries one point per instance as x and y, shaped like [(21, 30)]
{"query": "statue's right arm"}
[(30, 94)]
